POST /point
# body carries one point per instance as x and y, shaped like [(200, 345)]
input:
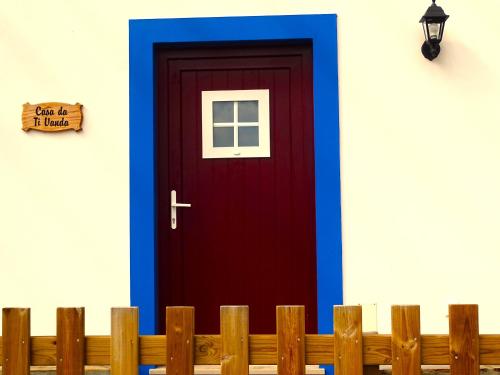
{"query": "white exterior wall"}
[(420, 154)]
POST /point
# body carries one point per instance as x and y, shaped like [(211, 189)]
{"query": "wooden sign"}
[(52, 117)]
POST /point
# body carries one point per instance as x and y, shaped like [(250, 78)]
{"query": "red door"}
[(249, 236)]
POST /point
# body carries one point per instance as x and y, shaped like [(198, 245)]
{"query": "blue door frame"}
[(144, 35)]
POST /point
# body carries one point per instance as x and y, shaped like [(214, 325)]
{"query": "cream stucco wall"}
[(420, 154)]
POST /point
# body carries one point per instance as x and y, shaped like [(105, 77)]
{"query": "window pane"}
[(248, 111), (223, 111), (224, 137), (248, 136)]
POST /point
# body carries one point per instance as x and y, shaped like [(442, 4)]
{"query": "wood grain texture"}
[(70, 341), (43, 350), (348, 340), (125, 341), (262, 350), (98, 350), (180, 340), (16, 341), (435, 349), (464, 340), (319, 348), (489, 349), (52, 117), (377, 349), (207, 350), (406, 340), (290, 328), (152, 350), (234, 340)]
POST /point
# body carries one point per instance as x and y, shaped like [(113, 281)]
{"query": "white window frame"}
[(263, 150)]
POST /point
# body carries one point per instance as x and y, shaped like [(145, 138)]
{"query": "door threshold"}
[(253, 370)]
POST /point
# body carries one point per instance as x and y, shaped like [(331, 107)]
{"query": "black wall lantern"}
[(433, 23)]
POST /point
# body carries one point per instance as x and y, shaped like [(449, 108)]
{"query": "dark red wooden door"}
[(249, 237)]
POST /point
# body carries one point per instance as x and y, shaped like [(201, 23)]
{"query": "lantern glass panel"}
[(426, 31), (434, 31), (441, 31)]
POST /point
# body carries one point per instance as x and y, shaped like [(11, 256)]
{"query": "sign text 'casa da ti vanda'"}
[(52, 117)]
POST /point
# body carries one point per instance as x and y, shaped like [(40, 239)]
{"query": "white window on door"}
[(235, 124)]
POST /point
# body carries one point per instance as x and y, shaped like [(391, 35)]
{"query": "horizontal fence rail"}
[(235, 349)]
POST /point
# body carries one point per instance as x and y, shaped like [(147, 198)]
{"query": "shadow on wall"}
[(465, 68)]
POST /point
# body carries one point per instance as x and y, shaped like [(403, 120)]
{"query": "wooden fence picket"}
[(234, 340), (290, 332), (125, 341), (234, 349), (464, 340), (348, 340), (180, 340), (70, 341), (406, 356), (15, 341)]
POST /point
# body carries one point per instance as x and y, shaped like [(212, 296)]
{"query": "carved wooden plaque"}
[(52, 117)]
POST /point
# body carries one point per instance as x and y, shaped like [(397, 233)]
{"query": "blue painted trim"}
[(144, 34)]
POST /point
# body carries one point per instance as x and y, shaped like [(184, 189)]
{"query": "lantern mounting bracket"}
[(430, 50)]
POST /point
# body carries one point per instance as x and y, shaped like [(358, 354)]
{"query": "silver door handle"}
[(173, 208)]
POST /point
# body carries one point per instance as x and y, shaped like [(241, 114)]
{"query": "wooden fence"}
[(291, 349)]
